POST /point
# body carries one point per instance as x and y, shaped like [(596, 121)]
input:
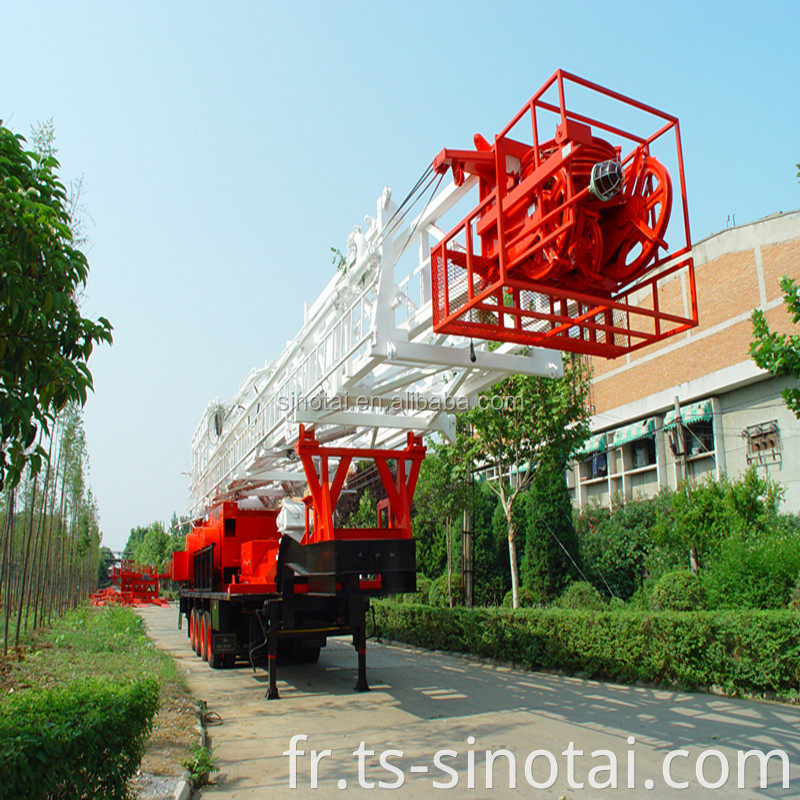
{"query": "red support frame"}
[(132, 584), (325, 488), (543, 259)]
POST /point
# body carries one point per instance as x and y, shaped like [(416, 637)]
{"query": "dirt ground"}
[(173, 731)]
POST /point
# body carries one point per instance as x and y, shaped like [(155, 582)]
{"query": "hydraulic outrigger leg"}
[(360, 643), (274, 608)]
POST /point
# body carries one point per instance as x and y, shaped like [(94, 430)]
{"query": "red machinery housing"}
[(566, 247), (250, 589)]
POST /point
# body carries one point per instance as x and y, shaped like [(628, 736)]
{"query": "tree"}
[(701, 517), (106, 560), (779, 353), (45, 343), (551, 544), (524, 423), (441, 496)]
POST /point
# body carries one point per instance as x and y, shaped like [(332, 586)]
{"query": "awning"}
[(594, 444), (695, 412), (630, 433)]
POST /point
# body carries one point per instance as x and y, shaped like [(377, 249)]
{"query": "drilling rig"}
[(552, 237)]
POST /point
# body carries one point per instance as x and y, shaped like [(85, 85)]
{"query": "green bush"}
[(744, 651), (420, 596), (617, 546), (700, 517), (581, 595), (678, 591), (754, 572), (438, 594), (546, 527), (794, 603), (526, 598), (81, 741)]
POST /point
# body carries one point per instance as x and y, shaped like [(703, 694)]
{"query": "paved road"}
[(422, 703)]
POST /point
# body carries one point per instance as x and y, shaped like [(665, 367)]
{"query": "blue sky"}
[(225, 148)]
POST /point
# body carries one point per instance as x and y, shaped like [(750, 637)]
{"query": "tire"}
[(205, 619), (195, 632), (215, 660)]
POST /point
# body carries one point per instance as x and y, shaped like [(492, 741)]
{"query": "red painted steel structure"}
[(247, 584), (132, 584), (243, 544), (566, 248), (324, 492)]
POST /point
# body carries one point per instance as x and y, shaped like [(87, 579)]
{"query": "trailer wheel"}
[(215, 660), (197, 631), (193, 628), (205, 626)]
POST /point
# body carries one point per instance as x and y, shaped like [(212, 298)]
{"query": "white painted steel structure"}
[(365, 367)]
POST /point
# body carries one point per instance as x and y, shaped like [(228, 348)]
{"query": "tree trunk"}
[(8, 589), (694, 562), (448, 538), (25, 584), (512, 558)]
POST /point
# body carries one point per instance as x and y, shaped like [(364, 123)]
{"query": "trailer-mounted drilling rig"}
[(564, 249)]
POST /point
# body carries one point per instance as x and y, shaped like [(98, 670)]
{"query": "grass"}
[(108, 642)]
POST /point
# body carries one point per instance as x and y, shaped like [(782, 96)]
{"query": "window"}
[(698, 438), (593, 458), (763, 443), (694, 436), (644, 453)]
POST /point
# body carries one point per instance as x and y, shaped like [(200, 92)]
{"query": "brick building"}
[(731, 413)]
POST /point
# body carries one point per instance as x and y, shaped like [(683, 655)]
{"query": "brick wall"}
[(737, 271)]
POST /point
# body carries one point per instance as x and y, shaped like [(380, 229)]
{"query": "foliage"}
[(366, 516), (678, 591), (200, 765), (45, 343), (491, 578), (49, 536), (551, 547), (617, 546), (742, 652), (581, 595), (107, 644), (527, 598), (152, 544), (105, 561), (542, 422), (794, 602), (81, 741), (442, 590), (701, 516), (441, 497), (779, 353), (755, 571), (420, 596)]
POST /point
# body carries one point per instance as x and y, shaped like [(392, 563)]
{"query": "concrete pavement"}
[(431, 718)]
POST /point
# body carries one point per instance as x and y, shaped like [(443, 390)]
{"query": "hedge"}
[(750, 652), (84, 740)]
